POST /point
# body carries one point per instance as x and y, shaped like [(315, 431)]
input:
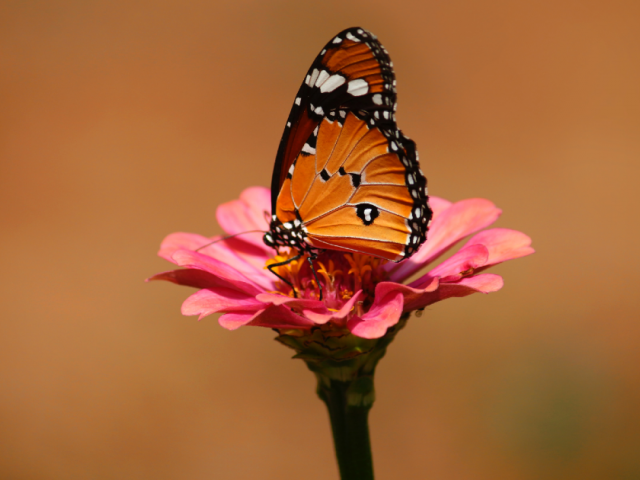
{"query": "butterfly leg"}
[(310, 260), (280, 264)]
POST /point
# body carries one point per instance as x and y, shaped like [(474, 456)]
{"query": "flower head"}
[(361, 294)]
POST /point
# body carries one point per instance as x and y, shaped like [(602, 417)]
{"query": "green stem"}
[(344, 365), (349, 424)]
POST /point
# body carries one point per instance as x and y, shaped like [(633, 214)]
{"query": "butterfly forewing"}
[(353, 71)]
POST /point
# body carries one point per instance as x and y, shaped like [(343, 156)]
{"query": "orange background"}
[(121, 122)]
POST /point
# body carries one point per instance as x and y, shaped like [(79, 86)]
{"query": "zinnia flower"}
[(361, 294)]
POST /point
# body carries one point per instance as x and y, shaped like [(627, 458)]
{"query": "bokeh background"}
[(123, 121)]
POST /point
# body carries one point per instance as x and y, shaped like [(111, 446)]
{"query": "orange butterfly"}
[(345, 178)]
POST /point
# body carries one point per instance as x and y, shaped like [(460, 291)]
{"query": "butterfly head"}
[(287, 234)]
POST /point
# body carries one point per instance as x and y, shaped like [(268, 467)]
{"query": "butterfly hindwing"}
[(359, 189)]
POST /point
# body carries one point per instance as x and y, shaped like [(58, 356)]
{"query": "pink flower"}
[(366, 295)]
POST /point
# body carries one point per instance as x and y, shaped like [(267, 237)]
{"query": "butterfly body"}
[(345, 178)]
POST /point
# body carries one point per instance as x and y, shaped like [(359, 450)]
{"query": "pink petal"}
[(314, 310), (251, 212), (453, 224), (453, 269), (412, 296), (181, 241), (233, 321), (189, 278), (502, 244), (483, 283), (272, 317), (254, 255), (206, 302), (438, 205), (243, 257), (280, 317), (322, 317), (384, 313), (277, 299), (235, 279)]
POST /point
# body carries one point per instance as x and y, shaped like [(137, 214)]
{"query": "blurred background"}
[(124, 121)]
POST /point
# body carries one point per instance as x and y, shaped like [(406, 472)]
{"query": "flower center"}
[(340, 274)]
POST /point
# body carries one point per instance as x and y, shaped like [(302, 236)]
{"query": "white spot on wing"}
[(358, 87), (321, 78), (308, 149), (352, 37), (377, 99), (337, 40), (314, 76), (297, 101), (319, 110), (333, 82)]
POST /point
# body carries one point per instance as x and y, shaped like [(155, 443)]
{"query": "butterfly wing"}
[(357, 187), (353, 71)]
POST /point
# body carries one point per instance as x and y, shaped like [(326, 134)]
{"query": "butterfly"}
[(345, 177)]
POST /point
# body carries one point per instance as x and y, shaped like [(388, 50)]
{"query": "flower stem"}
[(349, 424), (344, 365)]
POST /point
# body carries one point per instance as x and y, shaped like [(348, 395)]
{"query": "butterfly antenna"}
[(226, 238)]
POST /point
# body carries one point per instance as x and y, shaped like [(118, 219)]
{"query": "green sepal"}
[(334, 353)]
